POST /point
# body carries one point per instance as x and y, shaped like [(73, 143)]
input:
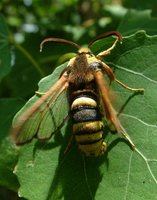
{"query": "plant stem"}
[(28, 56)]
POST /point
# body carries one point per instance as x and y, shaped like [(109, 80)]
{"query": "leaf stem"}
[(28, 56)]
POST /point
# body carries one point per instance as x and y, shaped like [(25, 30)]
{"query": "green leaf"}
[(5, 54), (138, 20), (8, 160), (141, 5), (45, 173)]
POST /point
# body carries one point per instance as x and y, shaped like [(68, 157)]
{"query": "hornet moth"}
[(82, 82)]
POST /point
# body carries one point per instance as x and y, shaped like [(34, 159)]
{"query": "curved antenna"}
[(116, 33), (58, 40)]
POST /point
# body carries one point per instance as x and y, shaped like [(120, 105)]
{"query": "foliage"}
[(121, 173)]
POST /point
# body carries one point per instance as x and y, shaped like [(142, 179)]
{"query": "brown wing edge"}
[(109, 110)]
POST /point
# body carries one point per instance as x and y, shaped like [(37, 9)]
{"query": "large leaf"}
[(45, 173), (5, 54)]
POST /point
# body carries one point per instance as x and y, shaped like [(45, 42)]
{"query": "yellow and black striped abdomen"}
[(87, 123)]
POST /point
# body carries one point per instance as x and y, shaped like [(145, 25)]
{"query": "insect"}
[(86, 89)]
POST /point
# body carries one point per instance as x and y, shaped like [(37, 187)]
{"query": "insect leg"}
[(111, 75), (108, 51), (129, 88), (39, 94), (109, 110)]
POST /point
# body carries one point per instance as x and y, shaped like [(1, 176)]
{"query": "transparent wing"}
[(52, 116), (41, 116)]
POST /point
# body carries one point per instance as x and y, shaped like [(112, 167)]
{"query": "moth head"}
[(84, 50)]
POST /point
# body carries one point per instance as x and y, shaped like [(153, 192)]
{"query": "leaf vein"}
[(136, 73), (128, 177), (141, 121), (147, 164)]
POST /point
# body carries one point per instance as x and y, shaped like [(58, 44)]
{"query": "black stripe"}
[(90, 142), (88, 131), (85, 115), (82, 107)]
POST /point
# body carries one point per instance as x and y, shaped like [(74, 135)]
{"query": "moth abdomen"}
[(87, 123)]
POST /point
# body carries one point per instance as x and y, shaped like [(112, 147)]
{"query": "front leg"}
[(39, 94), (107, 51), (111, 75)]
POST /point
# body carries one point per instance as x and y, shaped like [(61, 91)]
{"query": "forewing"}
[(110, 112), (23, 133), (42, 114)]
